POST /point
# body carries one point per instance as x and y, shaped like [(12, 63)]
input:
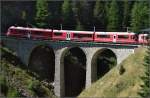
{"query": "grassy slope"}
[(125, 85)]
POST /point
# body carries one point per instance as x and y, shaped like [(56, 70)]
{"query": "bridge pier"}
[(89, 68), (59, 87)]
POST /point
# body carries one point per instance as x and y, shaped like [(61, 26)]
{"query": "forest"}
[(104, 15)]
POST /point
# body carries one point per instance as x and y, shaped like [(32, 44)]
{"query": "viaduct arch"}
[(73, 60), (42, 62), (102, 61)]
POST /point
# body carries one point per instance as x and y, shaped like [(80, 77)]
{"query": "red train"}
[(83, 36)]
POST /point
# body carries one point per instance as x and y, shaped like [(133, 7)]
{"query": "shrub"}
[(121, 70), (3, 85), (13, 93), (34, 85)]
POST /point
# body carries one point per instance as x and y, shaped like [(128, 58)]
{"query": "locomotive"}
[(82, 36)]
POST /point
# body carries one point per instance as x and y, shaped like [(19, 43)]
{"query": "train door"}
[(114, 38), (68, 36), (29, 34)]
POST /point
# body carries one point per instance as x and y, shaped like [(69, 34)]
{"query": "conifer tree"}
[(139, 16), (77, 10), (99, 14), (126, 14), (23, 20), (86, 16), (67, 14), (83, 14), (112, 17), (23, 16), (145, 93), (41, 13), (79, 26)]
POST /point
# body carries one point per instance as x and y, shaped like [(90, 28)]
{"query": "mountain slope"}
[(115, 85), (17, 81)]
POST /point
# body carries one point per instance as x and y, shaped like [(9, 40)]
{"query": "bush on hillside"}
[(3, 85), (13, 93)]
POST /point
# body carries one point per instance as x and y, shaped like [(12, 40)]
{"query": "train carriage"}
[(115, 37), (35, 33), (104, 37), (82, 36), (41, 33), (125, 37), (16, 32), (143, 39)]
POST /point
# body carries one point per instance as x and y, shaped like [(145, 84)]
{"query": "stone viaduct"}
[(25, 48)]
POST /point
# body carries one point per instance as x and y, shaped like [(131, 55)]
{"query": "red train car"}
[(116, 37), (104, 37), (81, 36), (143, 39), (125, 37), (35, 33)]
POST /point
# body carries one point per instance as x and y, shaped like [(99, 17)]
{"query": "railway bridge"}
[(50, 60)]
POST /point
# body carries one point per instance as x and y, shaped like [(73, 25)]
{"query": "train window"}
[(37, 33), (14, 31), (83, 35), (57, 34), (87, 35), (142, 37), (21, 31), (11, 30), (123, 36), (76, 35), (145, 37), (103, 36), (134, 37)]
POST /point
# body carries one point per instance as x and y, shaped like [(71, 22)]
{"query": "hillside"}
[(17, 81), (115, 85)]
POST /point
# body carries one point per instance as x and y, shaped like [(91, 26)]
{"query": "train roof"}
[(91, 32), (120, 33), (27, 28), (83, 32)]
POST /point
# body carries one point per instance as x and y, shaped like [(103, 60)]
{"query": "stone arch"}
[(42, 62), (73, 60), (102, 61)]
